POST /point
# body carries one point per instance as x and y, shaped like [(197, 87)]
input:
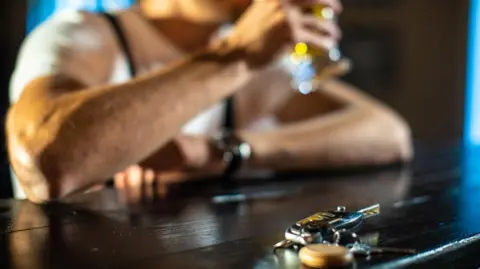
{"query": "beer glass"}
[(308, 62)]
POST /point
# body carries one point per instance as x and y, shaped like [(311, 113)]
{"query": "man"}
[(78, 117)]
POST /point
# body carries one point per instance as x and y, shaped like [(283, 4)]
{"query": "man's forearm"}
[(352, 136), (83, 137)]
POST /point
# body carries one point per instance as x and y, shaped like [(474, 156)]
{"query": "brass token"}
[(323, 256)]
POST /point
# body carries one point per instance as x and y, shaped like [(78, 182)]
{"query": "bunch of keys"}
[(320, 227), (333, 231)]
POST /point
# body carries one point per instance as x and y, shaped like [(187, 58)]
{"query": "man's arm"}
[(68, 131), (335, 127), (76, 139)]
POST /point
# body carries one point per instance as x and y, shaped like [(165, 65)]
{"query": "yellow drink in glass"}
[(308, 62)]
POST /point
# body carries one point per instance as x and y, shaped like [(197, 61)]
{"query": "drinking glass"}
[(308, 62)]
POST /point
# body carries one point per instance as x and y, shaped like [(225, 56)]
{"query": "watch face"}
[(245, 150)]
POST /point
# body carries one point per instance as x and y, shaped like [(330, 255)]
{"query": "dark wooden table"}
[(432, 205)]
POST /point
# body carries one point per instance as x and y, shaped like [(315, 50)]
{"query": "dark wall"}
[(412, 55), (12, 32)]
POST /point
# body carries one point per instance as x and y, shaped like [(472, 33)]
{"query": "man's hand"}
[(268, 26), (184, 158)]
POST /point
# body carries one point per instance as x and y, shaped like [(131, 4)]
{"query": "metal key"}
[(370, 211), (359, 249), (320, 227)]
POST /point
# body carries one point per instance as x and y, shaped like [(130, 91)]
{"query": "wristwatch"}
[(235, 152)]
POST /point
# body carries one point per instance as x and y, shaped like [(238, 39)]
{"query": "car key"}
[(320, 227), (359, 249)]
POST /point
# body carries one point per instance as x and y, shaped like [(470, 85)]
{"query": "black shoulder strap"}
[(229, 120), (122, 40)]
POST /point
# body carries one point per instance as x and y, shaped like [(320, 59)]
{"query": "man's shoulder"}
[(74, 43), (76, 29)]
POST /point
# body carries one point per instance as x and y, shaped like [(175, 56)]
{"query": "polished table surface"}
[(432, 205)]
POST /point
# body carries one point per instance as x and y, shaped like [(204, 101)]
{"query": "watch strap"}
[(235, 152)]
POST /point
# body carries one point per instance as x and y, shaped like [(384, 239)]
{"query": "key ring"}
[(282, 244), (337, 236)]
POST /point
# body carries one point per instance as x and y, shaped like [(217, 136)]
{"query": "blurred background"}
[(416, 55)]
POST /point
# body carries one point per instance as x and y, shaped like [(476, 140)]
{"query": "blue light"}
[(116, 4), (472, 98), (88, 5), (40, 10), (467, 206)]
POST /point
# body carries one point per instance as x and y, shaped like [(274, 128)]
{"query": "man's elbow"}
[(34, 156), (396, 135), (41, 182), (402, 140), (40, 174)]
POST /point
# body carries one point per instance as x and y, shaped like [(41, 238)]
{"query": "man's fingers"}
[(315, 40), (149, 180), (325, 27), (95, 188), (161, 190), (137, 184), (342, 67), (335, 70), (171, 177), (120, 185), (165, 179), (134, 179), (334, 4), (134, 175), (119, 180)]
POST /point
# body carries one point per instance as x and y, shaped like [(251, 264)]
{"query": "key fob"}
[(321, 226)]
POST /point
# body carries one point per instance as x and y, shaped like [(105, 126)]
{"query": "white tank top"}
[(206, 122)]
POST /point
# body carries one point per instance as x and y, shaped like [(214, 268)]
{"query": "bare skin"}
[(72, 129)]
